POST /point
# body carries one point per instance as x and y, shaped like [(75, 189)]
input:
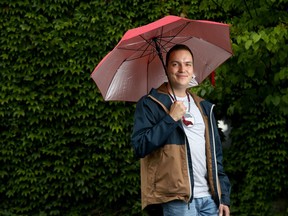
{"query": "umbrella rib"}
[(143, 49), (172, 37), (160, 41), (150, 43), (145, 46)]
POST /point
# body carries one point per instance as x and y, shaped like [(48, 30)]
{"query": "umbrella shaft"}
[(158, 49)]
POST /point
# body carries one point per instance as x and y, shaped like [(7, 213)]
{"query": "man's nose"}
[(181, 67)]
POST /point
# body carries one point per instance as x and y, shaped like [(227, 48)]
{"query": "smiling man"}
[(175, 135)]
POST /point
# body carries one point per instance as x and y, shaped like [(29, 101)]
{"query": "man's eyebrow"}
[(173, 61)]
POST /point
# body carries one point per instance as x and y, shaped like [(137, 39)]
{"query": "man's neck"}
[(179, 92)]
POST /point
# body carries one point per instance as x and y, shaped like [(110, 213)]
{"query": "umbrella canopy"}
[(133, 67)]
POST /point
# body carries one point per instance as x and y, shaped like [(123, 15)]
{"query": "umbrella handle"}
[(158, 49)]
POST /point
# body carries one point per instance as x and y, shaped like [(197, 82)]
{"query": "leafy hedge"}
[(64, 151), (252, 96)]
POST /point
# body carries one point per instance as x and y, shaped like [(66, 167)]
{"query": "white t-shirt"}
[(196, 139)]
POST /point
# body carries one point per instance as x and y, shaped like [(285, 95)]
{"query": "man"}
[(175, 135)]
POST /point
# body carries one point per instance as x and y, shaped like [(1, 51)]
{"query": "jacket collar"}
[(163, 89), (161, 94)]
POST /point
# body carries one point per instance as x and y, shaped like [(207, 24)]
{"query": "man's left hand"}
[(224, 210)]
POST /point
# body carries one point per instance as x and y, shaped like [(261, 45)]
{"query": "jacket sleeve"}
[(152, 127), (223, 178)]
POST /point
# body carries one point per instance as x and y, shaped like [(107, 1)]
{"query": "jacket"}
[(166, 163)]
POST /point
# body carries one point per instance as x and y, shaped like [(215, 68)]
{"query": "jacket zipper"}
[(189, 177), (214, 151)]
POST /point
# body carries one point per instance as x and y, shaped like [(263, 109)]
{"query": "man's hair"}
[(175, 48)]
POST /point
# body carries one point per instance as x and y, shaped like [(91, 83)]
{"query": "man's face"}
[(180, 68)]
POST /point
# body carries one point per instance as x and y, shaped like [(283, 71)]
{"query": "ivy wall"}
[(65, 151)]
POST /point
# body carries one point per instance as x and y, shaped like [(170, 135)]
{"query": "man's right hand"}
[(177, 110)]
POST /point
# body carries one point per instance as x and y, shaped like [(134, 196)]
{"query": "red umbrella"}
[(135, 65)]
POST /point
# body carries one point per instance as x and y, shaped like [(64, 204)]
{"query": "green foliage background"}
[(64, 151)]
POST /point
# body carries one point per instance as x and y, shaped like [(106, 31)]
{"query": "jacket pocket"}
[(171, 173)]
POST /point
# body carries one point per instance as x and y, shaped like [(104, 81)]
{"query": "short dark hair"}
[(175, 48)]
